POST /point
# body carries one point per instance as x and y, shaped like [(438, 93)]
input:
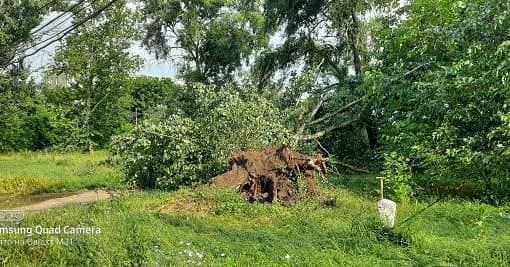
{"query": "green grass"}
[(175, 228), (37, 172), (163, 227)]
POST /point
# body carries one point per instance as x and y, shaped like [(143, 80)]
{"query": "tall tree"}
[(17, 20), (212, 37), (96, 61), (329, 38), (316, 30), (443, 94)]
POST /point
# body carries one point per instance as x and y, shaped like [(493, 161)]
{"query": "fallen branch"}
[(352, 167), (332, 114), (325, 131), (342, 163)]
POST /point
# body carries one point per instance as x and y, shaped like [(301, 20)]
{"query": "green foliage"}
[(149, 94), (213, 37), (442, 93), (65, 129), (17, 19), (235, 123), (24, 120), (164, 155), (398, 172), (190, 148), (95, 61), (317, 30)]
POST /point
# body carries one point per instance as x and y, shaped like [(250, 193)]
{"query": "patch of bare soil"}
[(272, 174), (80, 197)]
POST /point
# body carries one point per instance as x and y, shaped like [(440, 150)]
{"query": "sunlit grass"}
[(146, 228), (34, 172), (213, 226)]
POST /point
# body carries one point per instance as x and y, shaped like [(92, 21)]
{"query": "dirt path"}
[(80, 197)]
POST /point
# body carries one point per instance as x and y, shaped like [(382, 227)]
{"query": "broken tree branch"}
[(332, 114), (342, 163), (325, 131), (352, 167), (316, 108)]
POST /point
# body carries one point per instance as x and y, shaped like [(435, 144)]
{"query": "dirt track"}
[(80, 197)]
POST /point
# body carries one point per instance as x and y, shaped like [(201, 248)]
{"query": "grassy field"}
[(211, 226), (38, 172)]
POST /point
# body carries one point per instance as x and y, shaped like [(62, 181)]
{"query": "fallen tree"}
[(272, 174)]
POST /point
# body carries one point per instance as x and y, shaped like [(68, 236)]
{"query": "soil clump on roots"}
[(272, 174)]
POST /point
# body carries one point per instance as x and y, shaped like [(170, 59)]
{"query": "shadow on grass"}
[(365, 185)]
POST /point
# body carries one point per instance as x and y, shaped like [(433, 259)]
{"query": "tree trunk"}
[(354, 36)]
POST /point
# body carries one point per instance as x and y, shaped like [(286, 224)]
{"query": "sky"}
[(44, 58)]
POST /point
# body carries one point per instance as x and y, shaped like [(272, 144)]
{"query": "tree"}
[(22, 120), (17, 19), (96, 61), (150, 94), (212, 37), (328, 38), (188, 148), (442, 94), (316, 30)]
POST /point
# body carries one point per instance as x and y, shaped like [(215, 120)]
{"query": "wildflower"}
[(189, 253)]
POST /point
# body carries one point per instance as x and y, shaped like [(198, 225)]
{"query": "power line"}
[(59, 16), (56, 26), (53, 27), (69, 30), (56, 34)]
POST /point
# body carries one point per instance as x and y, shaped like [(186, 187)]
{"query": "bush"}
[(396, 169), (192, 147), (164, 155)]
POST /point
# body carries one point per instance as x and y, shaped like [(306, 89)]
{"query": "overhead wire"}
[(56, 34), (67, 31), (70, 9)]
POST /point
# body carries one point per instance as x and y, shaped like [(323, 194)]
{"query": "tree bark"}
[(354, 36), (325, 131), (332, 114)]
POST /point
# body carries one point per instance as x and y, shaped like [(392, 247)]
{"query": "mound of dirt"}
[(272, 174)]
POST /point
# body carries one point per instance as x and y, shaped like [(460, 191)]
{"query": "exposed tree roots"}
[(272, 174)]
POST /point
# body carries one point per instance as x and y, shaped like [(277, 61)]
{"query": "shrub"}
[(164, 155), (399, 176)]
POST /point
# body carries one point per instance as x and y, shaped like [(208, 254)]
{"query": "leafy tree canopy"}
[(443, 92), (96, 61), (212, 37)]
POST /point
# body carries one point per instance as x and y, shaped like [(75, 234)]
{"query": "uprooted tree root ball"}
[(272, 174)]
